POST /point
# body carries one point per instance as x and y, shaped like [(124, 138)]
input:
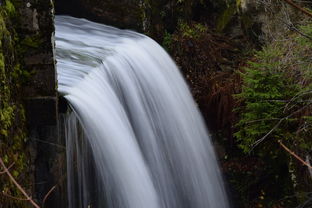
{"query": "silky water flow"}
[(134, 136)]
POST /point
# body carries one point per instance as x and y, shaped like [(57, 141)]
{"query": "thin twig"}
[(3, 172), (18, 185), (300, 94), (256, 143), (292, 27), (264, 119), (294, 154), (47, 195), (13, 197), (50, 143), (267, 134), (53, 188)]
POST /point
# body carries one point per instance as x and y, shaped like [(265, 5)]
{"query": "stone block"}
[(40, 58), (41, 111), (42, 82)]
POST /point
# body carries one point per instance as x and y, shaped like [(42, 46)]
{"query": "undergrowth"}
[(276, 106)]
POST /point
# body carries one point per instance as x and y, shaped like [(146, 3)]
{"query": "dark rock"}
[(41, 58), (122, 13), (36, 30), (44, 82), (41, 111)]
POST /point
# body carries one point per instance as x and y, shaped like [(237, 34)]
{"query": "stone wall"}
[(41, 100), (29, 111)]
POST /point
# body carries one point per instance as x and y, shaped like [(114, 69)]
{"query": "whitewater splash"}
[(135, 138)]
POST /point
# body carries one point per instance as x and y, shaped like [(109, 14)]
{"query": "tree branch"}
[(294, 154), (28, 198), (306, 12), (3, 172), (256, 143), (292, 27), (13, 197)]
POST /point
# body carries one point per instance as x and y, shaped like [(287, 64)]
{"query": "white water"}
[(135, 138)]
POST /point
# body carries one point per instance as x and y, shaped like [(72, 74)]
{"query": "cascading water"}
[(135, 138)]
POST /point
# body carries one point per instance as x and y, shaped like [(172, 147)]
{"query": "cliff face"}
[(28, 99)]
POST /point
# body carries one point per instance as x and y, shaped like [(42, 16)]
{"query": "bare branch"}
[(13, 197), (256, 143), (3, 172), (6, 170), (292, 27), (306, 12), (294, 154), (264, 119), (267, 134)]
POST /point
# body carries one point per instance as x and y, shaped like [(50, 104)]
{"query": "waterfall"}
[(135, 138)]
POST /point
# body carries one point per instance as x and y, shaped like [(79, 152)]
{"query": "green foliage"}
[(195, 30), (167, 41), (185, 31), (307, 30), (265, 88), (272, 82), (276, 105)]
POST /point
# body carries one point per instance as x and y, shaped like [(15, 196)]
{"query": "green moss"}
[(21, 75), (12, 116), (246, 21), (6, 119), (240, 3), (2, 69), (31, 41), (9, 7), (225, 18)]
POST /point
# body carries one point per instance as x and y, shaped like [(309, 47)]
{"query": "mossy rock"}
[(12, 116)]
